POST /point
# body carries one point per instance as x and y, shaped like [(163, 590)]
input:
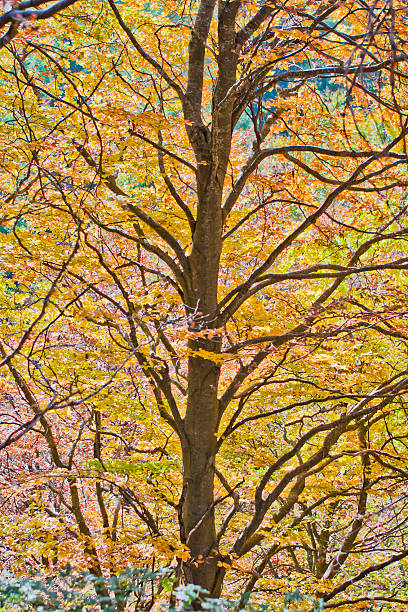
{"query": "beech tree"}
[(203, 307)]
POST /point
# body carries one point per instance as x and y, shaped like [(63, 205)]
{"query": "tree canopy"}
[(204, 294)]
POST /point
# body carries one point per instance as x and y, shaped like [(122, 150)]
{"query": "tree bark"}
[(202, 403), (212, 149)]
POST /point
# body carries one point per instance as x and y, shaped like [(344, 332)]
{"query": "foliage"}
[(77, 593), (133, 587), (203, 298)]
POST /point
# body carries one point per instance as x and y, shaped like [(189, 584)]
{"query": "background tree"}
[(205, 293)]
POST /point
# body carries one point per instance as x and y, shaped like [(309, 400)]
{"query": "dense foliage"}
[(135, 588), (204, 296)]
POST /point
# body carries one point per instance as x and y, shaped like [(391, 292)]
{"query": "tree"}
[(204, 230)]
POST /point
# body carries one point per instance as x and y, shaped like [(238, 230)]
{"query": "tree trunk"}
[(202, 404), (212, 150), (198, 511)]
